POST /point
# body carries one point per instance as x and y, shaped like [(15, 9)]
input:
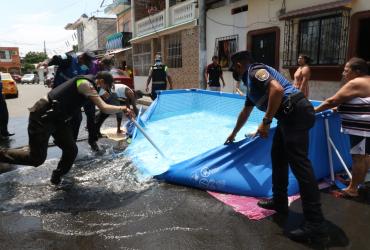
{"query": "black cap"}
[(240, 56), (89, 54), (106, 76)]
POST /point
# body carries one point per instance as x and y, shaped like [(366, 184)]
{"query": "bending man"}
[(51, 117), (120, 93), (272, 93)]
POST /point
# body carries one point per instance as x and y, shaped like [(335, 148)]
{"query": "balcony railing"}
[(150, 24), (178, 14), (183, 12)]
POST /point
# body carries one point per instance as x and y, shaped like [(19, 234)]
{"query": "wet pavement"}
[(106, 204)]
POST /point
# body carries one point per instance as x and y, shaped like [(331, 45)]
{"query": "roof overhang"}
[(116, 51), (117, 7), (317, 9)]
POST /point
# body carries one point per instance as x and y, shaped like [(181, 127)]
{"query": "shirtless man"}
[(302, 75), (353, 102)]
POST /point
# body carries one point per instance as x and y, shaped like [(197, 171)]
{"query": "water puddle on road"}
[(95, 186), (104, 197)]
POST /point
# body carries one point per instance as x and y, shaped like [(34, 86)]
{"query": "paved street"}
[(28, 95), (107, 206)]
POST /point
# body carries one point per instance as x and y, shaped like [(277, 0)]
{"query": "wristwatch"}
[(266, 121)]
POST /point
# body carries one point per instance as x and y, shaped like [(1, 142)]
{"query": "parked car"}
[(30, 78), (9, 85), (17, 78), (121, 77)]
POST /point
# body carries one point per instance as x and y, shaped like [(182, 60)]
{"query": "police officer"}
[(69, 66), (51, 117), (159, 76), (270, 92)]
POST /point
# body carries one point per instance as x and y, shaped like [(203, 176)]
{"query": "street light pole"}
[(202, 44)]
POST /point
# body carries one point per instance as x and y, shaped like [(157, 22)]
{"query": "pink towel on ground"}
[(248, 205)]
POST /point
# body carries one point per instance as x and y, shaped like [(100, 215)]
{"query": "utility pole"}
[(45, 47), (202, 43)]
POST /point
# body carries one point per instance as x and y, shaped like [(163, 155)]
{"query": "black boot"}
[(271, 205), (312, 232), (94, 146), (55, 178), (7, 134)]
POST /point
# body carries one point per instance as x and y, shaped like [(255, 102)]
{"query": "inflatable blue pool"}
[(190, 127)]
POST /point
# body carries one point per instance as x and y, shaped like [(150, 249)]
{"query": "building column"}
[(167, 13), (202, 44), (133, 19), (163, 50)]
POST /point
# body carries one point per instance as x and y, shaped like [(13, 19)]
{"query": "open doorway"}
[(359, 38), (363, 41), (264, 45)]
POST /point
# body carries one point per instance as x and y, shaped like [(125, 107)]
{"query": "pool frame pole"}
[(329, 149), (147, 137), (331, 145)]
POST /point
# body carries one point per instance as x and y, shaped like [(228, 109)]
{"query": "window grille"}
[(224, 48), (142, 59), (174, 50), (323, 38)]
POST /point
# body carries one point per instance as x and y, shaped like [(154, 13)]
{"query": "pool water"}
[(181, 137)]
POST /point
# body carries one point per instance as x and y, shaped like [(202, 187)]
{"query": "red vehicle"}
[(122, 77), (17, 78)]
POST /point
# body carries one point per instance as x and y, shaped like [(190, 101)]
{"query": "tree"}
[(35, 57), (32, 58)]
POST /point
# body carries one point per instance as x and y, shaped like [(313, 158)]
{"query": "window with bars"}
[(174, 50), (142, 59), (224, 48), (324, 39)]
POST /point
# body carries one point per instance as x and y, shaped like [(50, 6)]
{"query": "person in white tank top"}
[(353, 102), (115, 95)]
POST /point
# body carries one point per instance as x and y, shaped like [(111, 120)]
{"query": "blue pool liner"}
[(244, 167)]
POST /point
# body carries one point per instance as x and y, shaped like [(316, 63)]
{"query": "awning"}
[(116, 51), (114, 41), (337, 5)]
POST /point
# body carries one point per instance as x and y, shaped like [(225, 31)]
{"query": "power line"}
[(235, 26)]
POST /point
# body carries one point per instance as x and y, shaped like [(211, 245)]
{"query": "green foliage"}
[(34, 57), (28, 68)]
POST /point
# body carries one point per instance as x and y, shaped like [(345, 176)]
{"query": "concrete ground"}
[(106, 207)]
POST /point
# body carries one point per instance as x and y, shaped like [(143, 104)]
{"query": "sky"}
[(27, 24)]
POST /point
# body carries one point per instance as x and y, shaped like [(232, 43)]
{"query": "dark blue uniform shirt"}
[(257, 79), (68, 68)]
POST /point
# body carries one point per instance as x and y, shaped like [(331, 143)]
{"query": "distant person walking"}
[(214, 74), (159, 76), (353, 102), (4, 115), (302, 75)]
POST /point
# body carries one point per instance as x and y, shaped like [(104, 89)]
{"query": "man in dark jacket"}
[(51, 117)]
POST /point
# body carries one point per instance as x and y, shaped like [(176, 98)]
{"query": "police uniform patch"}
[(262, 75)]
